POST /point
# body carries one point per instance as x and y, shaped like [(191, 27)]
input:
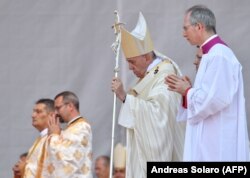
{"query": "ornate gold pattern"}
[(51, 168), (85, 169), (68, 169), (78, 155), (85, 141)]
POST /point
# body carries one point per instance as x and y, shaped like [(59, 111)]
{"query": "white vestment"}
[(216, 117), (70, 153), (149, 114)]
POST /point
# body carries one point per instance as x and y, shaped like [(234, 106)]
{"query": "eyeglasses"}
[(59, 107), (185, 28)]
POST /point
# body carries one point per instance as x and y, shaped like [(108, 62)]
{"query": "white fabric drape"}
[(153, 134), (216, 120)]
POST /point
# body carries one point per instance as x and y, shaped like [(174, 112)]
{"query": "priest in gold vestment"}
[(33, 165), (149, 111), (69, 150)]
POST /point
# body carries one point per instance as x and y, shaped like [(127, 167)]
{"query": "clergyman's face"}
[(119, 173), (40, 116), (61, 109), (198, 58), (101, 170), (138, 65), (190, 32)]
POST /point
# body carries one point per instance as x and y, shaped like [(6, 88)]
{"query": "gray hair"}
[(106, 160), (201, 14)]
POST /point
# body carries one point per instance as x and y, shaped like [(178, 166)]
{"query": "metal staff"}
[(116, 49)]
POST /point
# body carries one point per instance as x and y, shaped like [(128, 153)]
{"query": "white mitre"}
[(138, 42), (119, 156)]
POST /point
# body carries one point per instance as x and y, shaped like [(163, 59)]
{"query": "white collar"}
[(209, 39), (154, 63), (44, 132), (72, 120)]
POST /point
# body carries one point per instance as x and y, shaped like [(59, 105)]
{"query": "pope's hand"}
[(117, 88)]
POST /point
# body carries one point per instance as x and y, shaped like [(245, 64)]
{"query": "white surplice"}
[(149, 114), (216, 117)]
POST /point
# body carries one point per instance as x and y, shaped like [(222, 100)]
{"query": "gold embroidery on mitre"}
[(85, 169), (78, 155), (85, 141), (50, 168)]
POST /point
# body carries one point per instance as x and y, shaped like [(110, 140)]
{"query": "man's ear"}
[(71, 105), (200, 26)]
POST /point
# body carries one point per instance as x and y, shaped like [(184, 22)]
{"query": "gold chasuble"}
[(35, 158), (70, 153), (149, 114)]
